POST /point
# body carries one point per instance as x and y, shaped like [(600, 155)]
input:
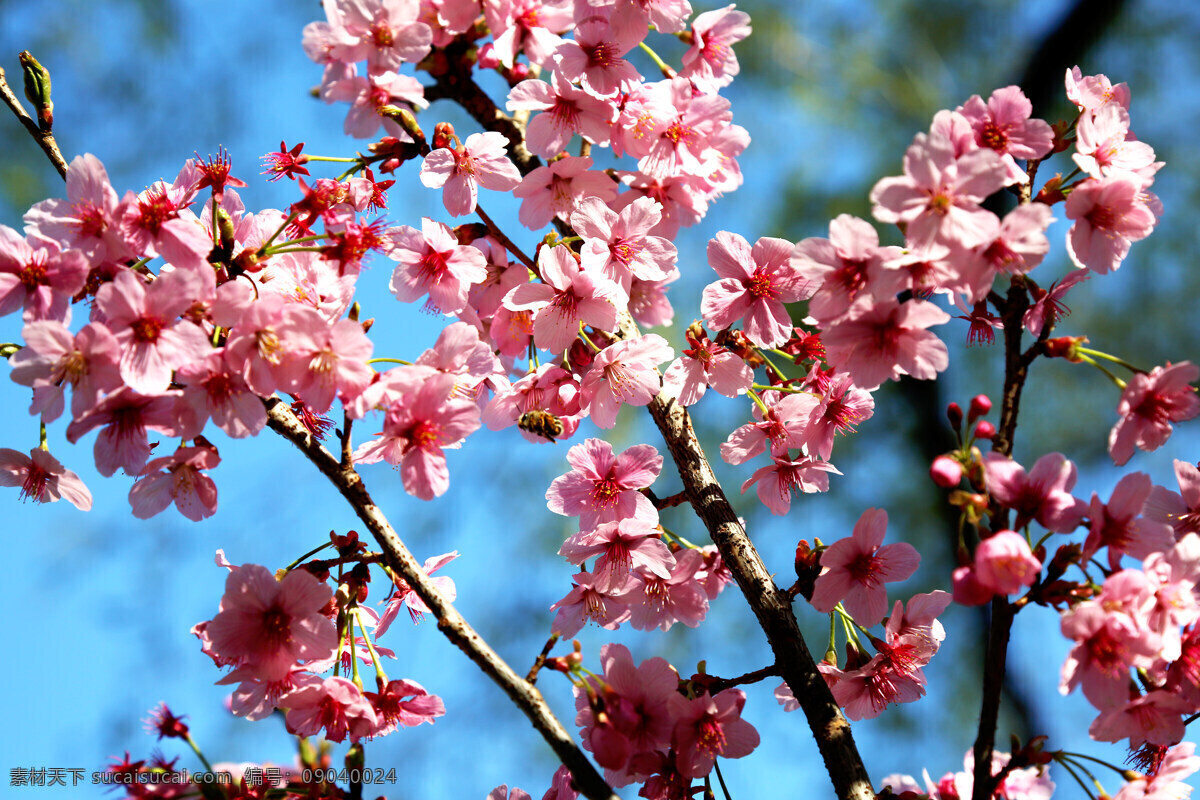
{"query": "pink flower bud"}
[(981, 404), (955, 415), (985, 430), (946, 472), (1004, 563), (487, 58)]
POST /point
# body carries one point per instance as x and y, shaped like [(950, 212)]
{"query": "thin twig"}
[(531, 678), (451, 623), (45, 139), (508, 244)]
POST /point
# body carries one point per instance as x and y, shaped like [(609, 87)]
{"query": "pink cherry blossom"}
[(1048, 307), (1108, 642), (784, 426), (1119, 526), (157, 222), (1103, 146), (855, 569), (585, 602), (145, 320), (53, 359), (402, 594), (555, 190), (708, 727), (848, 264), (325, 361), (706, 364), (620, 546), (876, 342), (403, 704), (867, 691), (271, 624), (619, 245), (1043, 494), (38, 275), (1167, 781), (214, 390), (1109, 213), (939, 195), (623, 373), (594, 58), (418, 426), (710, 62), (776, 483), (528, 26), (1004, 125), (567, 297), (755, 284), (177, 479), (480, 161), (603, 487), (335, 708), (42, 477), (86, 220), (1094, 91), (566, 111), (127, 418), (384, 32), (1154, 718), (1179, 510), (1004, 563), (1149, 404), (431, 261), (657, 601), (502, 792)]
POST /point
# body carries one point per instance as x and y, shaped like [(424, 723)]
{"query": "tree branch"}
[(45, 139), (452, 624)]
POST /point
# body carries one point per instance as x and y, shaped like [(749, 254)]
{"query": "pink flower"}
[(1094, 91), (431, 261), (42, 477), (855, 569), (567, 297), (502, 792), (1109, 641), (1043, 494), (424, 420), (325, 361), (555, 190), (1004, 564), (403, 704), (145, 320), (1148, 406), (1103, 147), (777, 482), (707, 727), (624, 372), (336, 706), (177, 479), (866, 692), (1179, 510), (587, 602), (656, 601), (128, 417), (529, 26), (566, 111), (621, 546), (1119, 526), (1167, 781), (213, 389), (271, 624), (480, 161), (1154, 718), (1109, 213), (37, 275), (86, 220), (53, 359), (158, 223), (939, 195), (706, 364), (1048, 307), (594, 59), (849, 264), (603, 487), (1003, 124), (710, 62), (785, 426), (384, 32), (755, 284), (403, 594), (619, 246), (876, 342)]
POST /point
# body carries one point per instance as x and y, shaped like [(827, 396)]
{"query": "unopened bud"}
[(37, 89), (1065, 347), (981, 404), (955, 415), (946, 472), (487, 58), (985, 430), (443, 136), (405, 119)]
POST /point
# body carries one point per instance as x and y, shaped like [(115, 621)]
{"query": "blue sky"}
[(100, 603)]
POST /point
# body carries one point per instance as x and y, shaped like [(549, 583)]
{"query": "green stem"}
[(312, 552), (389, 361), (267, 244), (1114, 359), (658, 62), (196, 749)]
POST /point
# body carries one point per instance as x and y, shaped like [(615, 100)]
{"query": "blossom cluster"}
[(279, 634)]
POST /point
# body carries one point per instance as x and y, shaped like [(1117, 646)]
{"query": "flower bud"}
[(1064, 347), (981, 404), (946, 472), (37, 89), (487, 58), (443, 135), (985, 430), (955, 415)]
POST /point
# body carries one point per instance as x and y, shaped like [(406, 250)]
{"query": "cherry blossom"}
[(755, 284), (1149, 404), (707, 727), (855, 569), (42, 477), (431, 261), (480, 161), (623, 373), (603, 487)]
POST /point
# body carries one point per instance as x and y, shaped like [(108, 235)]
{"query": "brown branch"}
[(715, 684), (772, 606), (45, 139), (452, 624), (540, 661)]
